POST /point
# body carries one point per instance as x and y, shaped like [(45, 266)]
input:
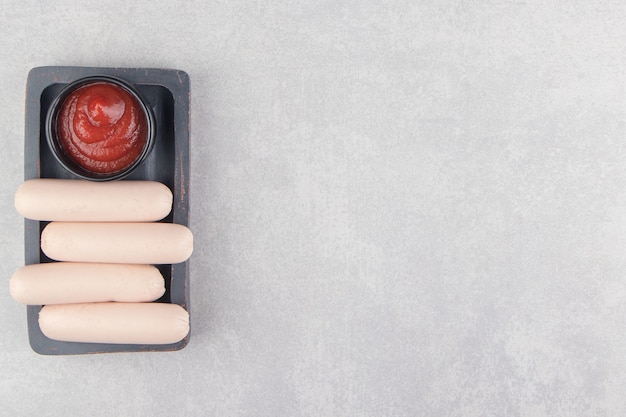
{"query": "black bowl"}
[(66, 160)]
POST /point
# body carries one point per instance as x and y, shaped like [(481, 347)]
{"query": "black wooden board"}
[(167, 93)]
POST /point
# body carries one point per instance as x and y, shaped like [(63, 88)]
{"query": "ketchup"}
[(102, 127)]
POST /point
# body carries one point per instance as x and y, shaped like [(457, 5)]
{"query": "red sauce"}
[(102, 127)]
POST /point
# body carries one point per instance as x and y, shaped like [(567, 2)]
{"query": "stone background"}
[(400, 208)]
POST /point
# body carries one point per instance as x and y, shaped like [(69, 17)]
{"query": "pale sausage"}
[(51, 199), (133, 243), (70, 282), (126, 323)]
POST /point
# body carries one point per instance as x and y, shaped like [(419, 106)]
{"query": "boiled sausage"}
[(70, 282), (127, 323), (51, 199), (134, 243)]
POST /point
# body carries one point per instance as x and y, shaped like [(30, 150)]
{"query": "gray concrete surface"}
[(400, 208)]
